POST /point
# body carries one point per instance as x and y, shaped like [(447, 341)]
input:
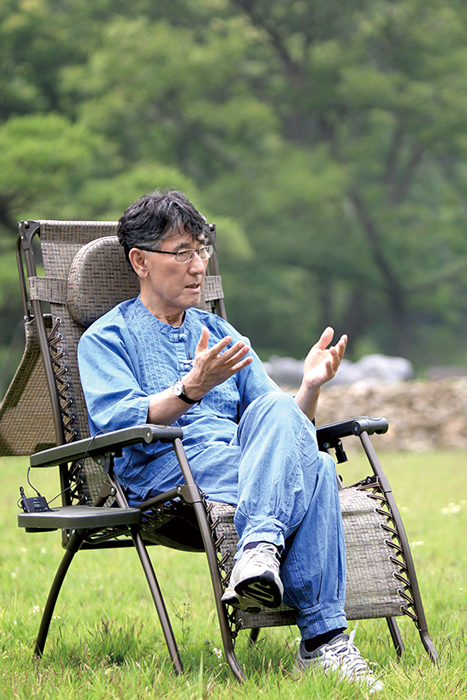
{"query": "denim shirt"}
[(128, 355)]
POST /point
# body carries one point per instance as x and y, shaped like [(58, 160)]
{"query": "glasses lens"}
[(205, 252), (186, 254)]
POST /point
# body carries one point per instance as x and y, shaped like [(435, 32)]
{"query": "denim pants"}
[(287, 495)]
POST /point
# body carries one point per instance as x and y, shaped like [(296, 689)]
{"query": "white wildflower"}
[(452, 508)]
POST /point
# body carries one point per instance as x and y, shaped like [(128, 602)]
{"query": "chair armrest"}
[(108, 442), (79, 518), (329, 435)]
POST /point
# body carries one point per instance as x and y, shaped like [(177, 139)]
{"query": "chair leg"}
[(254, 634), (217, 587), (158, 600), (429, 646), (205, 530), (399, 645), (396, 636), (74, 543)]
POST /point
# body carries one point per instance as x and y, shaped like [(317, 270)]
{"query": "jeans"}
[(287, 495)]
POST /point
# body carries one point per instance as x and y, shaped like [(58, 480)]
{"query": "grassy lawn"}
[(105, 640)]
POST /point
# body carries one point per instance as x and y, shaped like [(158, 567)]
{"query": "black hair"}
[(156, 216)]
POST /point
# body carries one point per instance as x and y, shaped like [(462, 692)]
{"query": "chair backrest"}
[(22, 431), (85, 275)]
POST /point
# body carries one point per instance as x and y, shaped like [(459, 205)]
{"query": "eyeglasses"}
[(185, 254)]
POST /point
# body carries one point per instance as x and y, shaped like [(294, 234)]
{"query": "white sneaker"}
[(255, 581), (341, 656), (230, 597)]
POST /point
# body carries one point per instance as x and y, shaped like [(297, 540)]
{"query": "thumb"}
[(203, 341), (326, 337)]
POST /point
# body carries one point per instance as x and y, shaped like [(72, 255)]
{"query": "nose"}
[(196, 264)]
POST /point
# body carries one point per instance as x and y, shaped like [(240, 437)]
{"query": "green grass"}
[(105, 640)]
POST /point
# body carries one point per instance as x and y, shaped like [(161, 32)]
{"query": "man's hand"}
[(322, 363), (212, 366)]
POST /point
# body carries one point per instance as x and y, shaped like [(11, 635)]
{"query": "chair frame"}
[(90, 529)]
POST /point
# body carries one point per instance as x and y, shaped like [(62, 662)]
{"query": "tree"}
[(326, 139), (381, 86)]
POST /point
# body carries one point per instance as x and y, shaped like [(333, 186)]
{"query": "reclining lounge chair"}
[(44, 415)]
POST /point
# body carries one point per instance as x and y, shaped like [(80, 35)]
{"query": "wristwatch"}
[(179, 390)]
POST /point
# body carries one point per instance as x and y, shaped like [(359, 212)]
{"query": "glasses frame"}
[(209, 248)]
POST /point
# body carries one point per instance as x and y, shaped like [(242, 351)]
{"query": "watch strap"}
[(181, 395), (185, 398)]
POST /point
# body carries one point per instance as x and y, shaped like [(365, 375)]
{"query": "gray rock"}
[(285, 371), (288, 372), (374, 368)]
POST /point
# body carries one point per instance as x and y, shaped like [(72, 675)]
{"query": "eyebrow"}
[(182, 246)]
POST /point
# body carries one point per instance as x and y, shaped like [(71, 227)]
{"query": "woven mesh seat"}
[(371, 589)]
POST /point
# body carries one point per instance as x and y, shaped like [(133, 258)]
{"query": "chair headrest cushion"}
[(99, 279)]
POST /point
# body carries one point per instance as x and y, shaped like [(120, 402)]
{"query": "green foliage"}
[(45, 159), (327, 141)]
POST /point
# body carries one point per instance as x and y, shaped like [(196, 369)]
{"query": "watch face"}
[(178, 387)]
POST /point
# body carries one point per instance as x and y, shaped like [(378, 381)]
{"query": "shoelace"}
[(345, 655), (263, 553)]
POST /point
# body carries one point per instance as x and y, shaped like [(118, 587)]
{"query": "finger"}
[(234, 349), (326, 337), (343, 340), (335, 357), (203, 341), (226, 356), (232, 355), (331, 356), (240, 365), (331, 363), (220, 345), (341, 346)]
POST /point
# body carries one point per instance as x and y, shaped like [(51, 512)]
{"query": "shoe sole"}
[(242, 603), (262, 588)]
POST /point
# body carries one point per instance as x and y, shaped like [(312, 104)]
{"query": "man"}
[(157, 359)]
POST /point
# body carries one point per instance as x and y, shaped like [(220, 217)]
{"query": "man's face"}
[(171, 287)]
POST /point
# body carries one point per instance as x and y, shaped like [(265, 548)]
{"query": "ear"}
[(138, 262)]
